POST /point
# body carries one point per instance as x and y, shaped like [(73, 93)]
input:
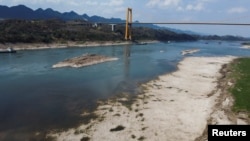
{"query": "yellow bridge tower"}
[(128, 30)]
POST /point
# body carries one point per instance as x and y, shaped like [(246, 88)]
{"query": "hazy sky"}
[(236, 11)]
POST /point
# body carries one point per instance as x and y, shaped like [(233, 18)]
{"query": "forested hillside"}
[(48, 31)]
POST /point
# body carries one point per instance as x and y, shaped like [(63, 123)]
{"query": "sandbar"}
[(246, 46), (189, 51), (84, 60), (175, 107)]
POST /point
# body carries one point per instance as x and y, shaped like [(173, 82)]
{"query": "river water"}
[(36, 97)]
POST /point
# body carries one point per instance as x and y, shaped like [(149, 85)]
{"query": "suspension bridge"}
[(129, 22)]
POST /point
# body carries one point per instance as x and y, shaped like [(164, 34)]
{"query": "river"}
[(36, 97)]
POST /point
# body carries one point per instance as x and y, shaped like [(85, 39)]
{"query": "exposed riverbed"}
[(34, 97)]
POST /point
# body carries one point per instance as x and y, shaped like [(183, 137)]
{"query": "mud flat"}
[(175, 107), (84, 60)]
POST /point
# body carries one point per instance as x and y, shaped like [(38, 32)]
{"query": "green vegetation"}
[(49, 31), (225, 38), (142, 33), (241, 90)]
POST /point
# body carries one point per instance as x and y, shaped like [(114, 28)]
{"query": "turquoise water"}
[(34, 96)]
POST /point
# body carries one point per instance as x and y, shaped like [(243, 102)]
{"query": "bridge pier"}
[(128, 28), (112, 27)]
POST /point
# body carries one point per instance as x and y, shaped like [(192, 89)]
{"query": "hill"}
[(26, 13), (54, 30)]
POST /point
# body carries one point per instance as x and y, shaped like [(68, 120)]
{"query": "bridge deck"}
[(182, 23)]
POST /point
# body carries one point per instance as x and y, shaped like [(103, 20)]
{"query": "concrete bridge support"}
[(128, 29)]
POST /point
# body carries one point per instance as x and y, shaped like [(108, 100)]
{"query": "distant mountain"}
[(16, 12), (167, 28), (23, 12), (183, 31)]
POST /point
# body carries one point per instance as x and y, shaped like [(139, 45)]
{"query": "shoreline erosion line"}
[(38, 46), (176, 106)]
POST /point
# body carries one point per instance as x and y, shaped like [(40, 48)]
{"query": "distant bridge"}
[(183, 23), (128, 33), (129, 22), (197, 23)]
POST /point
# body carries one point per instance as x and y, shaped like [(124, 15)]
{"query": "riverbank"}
[(35, 46), (176, 106)]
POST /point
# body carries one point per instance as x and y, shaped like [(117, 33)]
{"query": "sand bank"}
[(35, 46), (175, 107), (84, 60), (246, 46), (189, 51)]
